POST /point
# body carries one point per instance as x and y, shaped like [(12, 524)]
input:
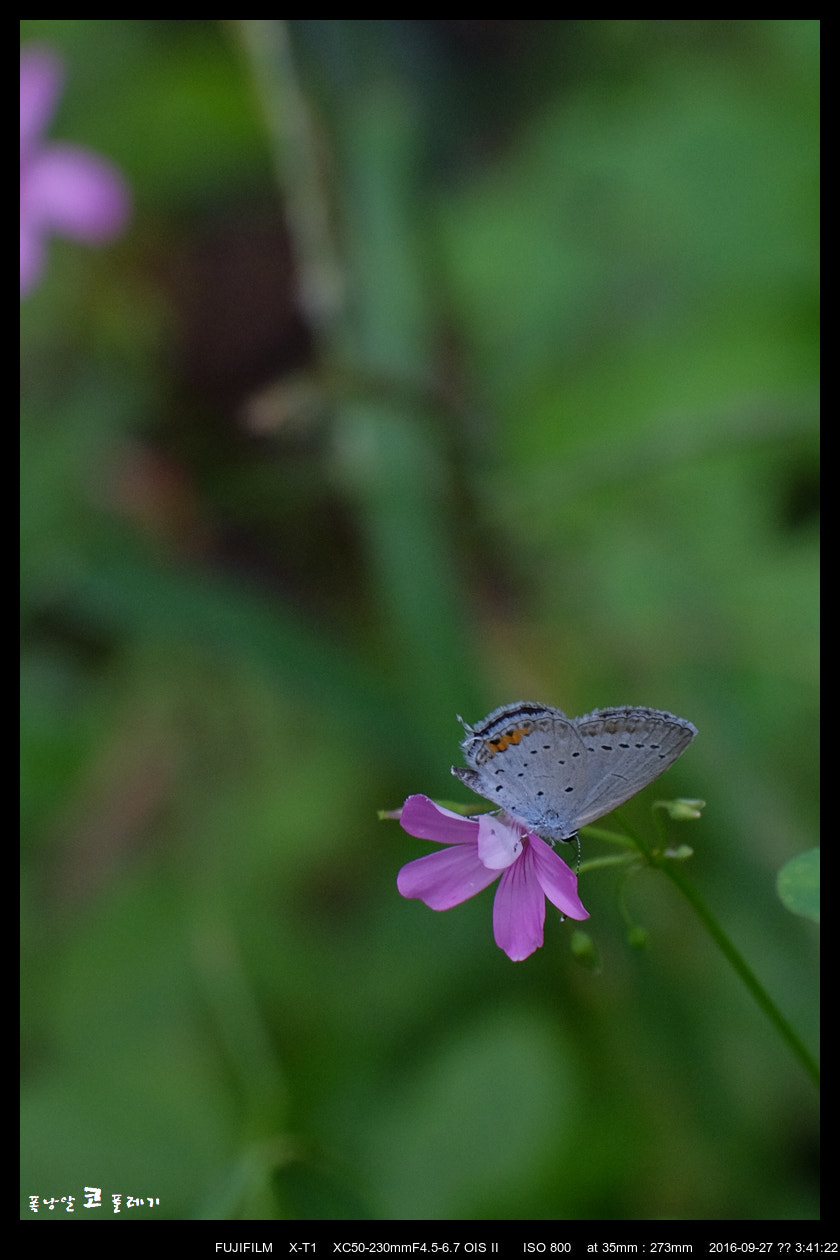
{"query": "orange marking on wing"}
[(513, 736)]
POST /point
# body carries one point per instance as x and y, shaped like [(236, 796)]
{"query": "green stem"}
[(762, 997), (612, 837), (301, 177), (756, 988), (594, 864)]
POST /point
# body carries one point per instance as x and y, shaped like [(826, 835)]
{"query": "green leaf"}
[(798, 884)]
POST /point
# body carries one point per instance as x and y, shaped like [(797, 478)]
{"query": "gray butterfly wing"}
[(556, 774), (530, 761), (626, 749)]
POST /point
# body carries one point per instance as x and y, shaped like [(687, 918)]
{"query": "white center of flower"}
[(499, 844)]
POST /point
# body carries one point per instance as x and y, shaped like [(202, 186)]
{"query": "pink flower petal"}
[(557, 880), (421, 817), (477, 850), (499, 843), (446, 878), (41, 79), (519, 910), (75, 192)]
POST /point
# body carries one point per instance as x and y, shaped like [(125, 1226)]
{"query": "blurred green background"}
[(445, 363)]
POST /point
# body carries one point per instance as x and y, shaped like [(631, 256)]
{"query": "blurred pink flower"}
[(480, 848), (63, 188)]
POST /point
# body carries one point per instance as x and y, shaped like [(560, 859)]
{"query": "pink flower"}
[(63, 188), (478, 849)]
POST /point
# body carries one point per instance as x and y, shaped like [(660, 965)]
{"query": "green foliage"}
[(442, 366)]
